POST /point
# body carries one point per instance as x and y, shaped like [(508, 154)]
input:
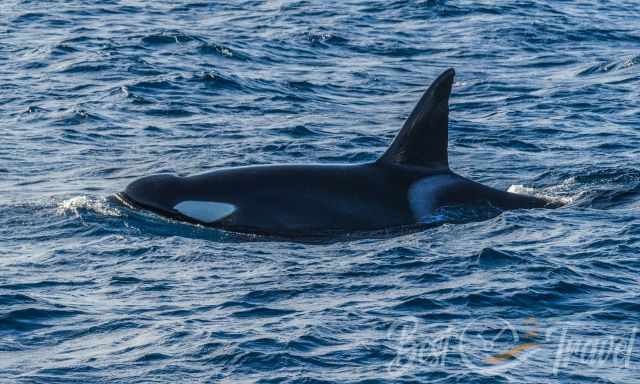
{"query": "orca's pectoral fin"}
[(422, 141)]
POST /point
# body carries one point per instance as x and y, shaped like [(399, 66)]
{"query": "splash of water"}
[(76, 205)]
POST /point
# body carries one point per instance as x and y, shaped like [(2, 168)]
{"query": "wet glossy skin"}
[(294, 199)]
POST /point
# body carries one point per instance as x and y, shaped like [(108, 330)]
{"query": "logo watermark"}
[(492, 345)]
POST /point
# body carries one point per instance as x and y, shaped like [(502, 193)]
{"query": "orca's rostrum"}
[(407, 185)]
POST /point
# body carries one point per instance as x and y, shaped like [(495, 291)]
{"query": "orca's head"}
[(157, 193), (174, 197)]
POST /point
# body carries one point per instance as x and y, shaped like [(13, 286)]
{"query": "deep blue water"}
[(95, 94)]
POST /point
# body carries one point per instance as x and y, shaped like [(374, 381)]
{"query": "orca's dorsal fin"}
[(422, 141)]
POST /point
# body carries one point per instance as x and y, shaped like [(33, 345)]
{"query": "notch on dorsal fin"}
[(422, 141)]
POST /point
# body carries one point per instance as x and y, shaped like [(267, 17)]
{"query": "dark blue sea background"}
[(94, 94)]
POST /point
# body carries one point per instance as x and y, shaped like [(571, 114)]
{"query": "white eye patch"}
[(205, 211)]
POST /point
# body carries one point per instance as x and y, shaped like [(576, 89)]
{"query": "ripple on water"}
[(262, 312), (33, 318), (169, 38)]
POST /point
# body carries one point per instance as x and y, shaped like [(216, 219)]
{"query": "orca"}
[(410, 183)]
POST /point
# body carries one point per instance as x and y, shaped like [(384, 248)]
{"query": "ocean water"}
[(95, 94)]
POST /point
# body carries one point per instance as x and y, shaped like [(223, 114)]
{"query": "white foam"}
[(551, 193), (521, 190), (75, 204), (205, 211)]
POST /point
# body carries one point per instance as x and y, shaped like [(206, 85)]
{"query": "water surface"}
[(95, 94)]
